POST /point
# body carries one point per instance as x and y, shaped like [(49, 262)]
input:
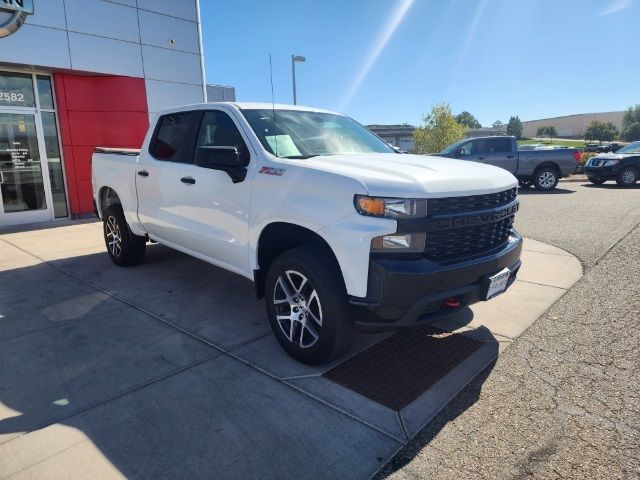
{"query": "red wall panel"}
[(96, 110)]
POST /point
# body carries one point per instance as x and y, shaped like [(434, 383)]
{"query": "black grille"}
[(459, 243), (440, 206)]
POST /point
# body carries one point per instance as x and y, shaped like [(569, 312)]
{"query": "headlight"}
[(390, 207), (399, 243), (608, 163)]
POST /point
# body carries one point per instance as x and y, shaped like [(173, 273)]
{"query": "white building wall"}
[(158, 40)]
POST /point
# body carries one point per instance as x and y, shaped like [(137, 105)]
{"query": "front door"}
[(23, 176)]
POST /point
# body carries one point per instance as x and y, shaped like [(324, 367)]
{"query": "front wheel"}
[(545, 179), (627, 177), (596, 181), (125, 249), (307, 305)]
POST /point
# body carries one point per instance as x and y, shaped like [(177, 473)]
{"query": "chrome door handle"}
[(188, 180)]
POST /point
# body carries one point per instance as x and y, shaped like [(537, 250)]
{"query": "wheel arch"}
[(550, 164), (278, 237), (107, 197)]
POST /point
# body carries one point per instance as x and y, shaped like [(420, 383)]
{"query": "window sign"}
[(16, 90)]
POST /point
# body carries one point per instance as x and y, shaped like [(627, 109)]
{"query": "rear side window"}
[(499, 145), (171, 137)]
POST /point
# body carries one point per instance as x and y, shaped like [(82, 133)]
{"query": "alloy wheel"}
[(298, 309), (114, 238), (546, 179), (628, 176)]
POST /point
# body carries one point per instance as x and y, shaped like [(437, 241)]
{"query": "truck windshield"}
[(631, 148), (304, 134)]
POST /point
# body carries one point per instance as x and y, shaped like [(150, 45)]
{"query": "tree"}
[(468, 120), (497, 124), (547, 131), (631, 124), (632, 115), (602, 132), (440, 129), (515, 127), (631, 132)]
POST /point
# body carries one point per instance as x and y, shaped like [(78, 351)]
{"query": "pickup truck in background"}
[(540, 168), (335, 228)]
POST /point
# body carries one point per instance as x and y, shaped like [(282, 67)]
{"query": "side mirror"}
[(227, 159), (460, 152)]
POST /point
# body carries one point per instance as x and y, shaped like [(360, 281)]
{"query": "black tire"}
[(335, 332), (596, 181), (545, 179), (126, 249), (525, 183), (627, 177)]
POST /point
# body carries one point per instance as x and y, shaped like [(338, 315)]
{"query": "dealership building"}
[(76, 74)]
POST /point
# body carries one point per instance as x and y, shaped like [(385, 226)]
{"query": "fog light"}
[(399, 243)]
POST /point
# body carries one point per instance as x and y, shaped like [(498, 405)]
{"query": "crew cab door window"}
[(218, 130), (171, 138)]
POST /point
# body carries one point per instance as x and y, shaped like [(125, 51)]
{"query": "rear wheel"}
[(545, 179), (596, 181), (125, 249), (627, 177), (307, 305)]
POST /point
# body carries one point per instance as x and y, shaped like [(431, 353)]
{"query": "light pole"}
[(294, 59)]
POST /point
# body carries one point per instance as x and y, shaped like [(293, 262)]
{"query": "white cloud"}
[(615, 6)]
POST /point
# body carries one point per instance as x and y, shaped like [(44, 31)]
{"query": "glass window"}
[(45, 92), (22, 185), (54, 163), (479, 146), (16, 90), (304, 134), (499, 145), (218, 130), (171, 137)]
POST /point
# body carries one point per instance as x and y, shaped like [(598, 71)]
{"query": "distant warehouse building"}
[(571, 126), (400, 136)]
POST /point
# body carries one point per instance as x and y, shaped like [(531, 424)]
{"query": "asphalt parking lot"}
[(169, 369)]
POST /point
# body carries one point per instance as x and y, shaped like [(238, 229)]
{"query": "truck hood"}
[(415, 176), (614, 156)]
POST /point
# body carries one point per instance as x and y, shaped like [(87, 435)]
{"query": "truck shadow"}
[(133, 374)]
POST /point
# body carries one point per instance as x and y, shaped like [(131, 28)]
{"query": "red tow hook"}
[(452, 303)]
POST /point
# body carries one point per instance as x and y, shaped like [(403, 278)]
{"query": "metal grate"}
[(460, 243), (400, 368), (440, 206)]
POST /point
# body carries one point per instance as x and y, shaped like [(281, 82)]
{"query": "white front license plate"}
[(498, 283)]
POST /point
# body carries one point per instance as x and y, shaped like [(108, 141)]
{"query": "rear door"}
[(499, 152), (214, 209), (158, 177)]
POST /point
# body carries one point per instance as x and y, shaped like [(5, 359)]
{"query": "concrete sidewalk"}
[(169, 369)]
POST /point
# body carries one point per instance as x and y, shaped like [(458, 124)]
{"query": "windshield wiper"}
[(301, 157)]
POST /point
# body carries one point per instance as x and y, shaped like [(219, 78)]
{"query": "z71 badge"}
[(272, 171)]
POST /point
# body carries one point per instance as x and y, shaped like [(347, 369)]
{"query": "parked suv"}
[(622, 166)]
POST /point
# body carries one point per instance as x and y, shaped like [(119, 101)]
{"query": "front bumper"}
[(405, 293), (602, 173)]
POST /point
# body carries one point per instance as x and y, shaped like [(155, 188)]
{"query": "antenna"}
[(273, 107)]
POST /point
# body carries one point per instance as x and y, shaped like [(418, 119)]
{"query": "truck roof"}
[(248, 106)]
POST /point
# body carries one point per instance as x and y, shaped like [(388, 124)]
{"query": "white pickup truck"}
[(335, 228)]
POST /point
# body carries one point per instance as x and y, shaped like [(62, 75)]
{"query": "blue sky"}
[(389, 61)]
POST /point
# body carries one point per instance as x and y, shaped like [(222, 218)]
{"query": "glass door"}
[(25, 197)]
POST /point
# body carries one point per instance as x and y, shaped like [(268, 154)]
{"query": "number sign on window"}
[(16, 90)]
